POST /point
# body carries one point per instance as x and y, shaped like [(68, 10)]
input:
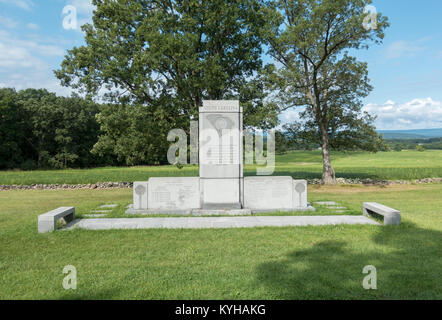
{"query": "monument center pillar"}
[(220, 155)]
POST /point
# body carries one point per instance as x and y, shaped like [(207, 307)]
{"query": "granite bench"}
[(48, 221), (391, 216)]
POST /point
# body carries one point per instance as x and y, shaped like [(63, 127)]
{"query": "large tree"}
[(311, 42), (166, 57)]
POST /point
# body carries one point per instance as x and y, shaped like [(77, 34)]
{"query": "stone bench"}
[(48, 221), (391, 216)]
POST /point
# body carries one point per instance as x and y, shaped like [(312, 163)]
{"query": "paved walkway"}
[(215, 222)]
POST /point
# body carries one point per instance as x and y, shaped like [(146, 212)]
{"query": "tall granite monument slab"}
[(220, 154)]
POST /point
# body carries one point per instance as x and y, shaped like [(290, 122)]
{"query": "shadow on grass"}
[(407, 258), (107, 294)]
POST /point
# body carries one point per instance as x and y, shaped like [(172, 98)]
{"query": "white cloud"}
[(12, 46), (415, 114), (33, 26), (22, 4), (28, 61), (26, 64), (8, 22), (12, 57), (290, 115), (404, 48)]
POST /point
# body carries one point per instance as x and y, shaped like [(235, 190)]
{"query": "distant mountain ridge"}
[(411, 134)]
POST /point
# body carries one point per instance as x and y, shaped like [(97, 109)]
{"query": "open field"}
[(259, 263), (404, 165)]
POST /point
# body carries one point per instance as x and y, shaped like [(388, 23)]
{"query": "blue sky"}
[(406, 70)]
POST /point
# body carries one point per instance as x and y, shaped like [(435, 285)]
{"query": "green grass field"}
[(300, 164), (258, 263)]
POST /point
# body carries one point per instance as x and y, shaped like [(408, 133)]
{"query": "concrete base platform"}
[(193, 212), (184, 212), (212, 211), (221, 206), (221, 212), (216, 222), (308, 208)]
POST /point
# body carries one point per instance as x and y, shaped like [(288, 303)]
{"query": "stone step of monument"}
[(97, 215), (108, 206), (326, 203), (212, 212), (215, 222), (222, 206), (191, 212), (221, 212)]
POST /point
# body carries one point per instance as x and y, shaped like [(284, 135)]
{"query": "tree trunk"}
[(39, 160), (328, 173)]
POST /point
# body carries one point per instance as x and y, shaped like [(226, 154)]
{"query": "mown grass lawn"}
[(257, 263), (300, 165)]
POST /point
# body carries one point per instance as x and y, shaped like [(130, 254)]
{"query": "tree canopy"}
[(40, 130), (311, 42), (171, 54), (168, 56)]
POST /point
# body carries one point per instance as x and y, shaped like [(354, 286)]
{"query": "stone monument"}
[(221, 187)]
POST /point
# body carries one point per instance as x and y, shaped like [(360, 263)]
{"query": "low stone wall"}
[(377, 182), (98, 185), (111, 185)]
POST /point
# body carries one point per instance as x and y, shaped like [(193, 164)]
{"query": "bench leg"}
[(70, 217), (46, 225), (365, 212), (392, 219)]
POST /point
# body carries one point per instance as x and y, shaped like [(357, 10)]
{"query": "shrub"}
[(28, 164)]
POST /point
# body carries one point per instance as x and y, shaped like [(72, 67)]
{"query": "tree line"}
[(419, 144), (40, 130)]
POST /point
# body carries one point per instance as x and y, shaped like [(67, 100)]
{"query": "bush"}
[(397, 148), (28, 164)]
